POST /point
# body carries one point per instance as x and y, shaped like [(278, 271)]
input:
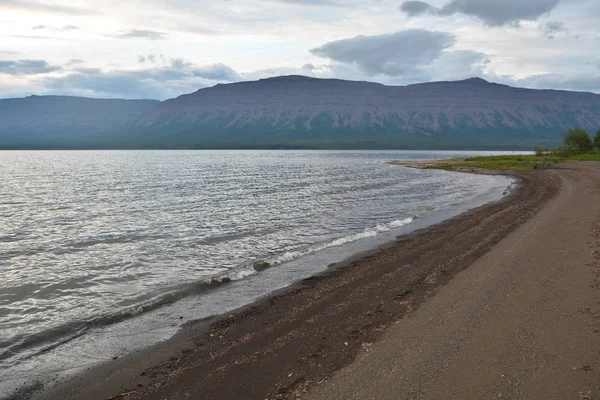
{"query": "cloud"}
[(414, 8), (306, 70), (393, 54), (589, 82), (38, 37), (75, 61), (26, 67), (142, 34), (150, 58), (180, 63), (217, 72), (97, 83), (310, 2), (550, 29), (65, 28), (43, 7), (179, 77), (456, 65), (491, 12)]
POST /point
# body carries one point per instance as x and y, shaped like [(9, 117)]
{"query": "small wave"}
[(9, 239), (114, 239), (242, 273), (217, 239), (57, 336), (367, 233)]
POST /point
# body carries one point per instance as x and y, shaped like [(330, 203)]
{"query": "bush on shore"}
[(577, 140)]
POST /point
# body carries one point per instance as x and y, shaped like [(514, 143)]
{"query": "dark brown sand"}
[(409, 320)]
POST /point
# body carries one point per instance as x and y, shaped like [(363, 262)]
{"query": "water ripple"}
[(94, 237)]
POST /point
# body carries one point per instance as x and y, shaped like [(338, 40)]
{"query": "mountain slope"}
[(62, 121), (299, 111)]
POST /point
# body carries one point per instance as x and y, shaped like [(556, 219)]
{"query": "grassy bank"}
[(520, 163)]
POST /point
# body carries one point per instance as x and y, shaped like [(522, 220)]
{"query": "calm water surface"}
[(89, 239)]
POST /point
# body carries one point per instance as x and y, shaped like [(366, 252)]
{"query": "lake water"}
[(98, 242)]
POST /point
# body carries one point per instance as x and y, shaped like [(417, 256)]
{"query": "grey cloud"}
[(179, 77), (180, 63), (214, 72), (550, 29), (36, 6), (217, 72), (457, 65), (450, 65), (414, 8), (75, 61), (26, 67), (280, 71), (491, 12), (311, 2), (151, 58), (88, 70), (65, 28), (392, 54), (496, 12), (97, 83), (586, 82), (142, 34)]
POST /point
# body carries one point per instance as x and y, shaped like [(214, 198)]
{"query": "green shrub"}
[(577, 140), (597, 140)]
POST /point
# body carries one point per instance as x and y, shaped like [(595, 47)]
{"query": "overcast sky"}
[(163, 48)]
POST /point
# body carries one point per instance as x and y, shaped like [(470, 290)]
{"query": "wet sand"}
[(502, 291)]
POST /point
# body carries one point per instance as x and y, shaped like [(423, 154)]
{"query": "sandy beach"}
[(499, 302)]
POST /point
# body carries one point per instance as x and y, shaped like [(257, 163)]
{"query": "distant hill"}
[(69, 122), (302, 112)]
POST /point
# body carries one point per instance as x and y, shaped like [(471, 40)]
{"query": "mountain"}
[(297, 111), (63, 122)]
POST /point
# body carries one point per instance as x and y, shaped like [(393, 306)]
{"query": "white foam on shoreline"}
[(367, 233)]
